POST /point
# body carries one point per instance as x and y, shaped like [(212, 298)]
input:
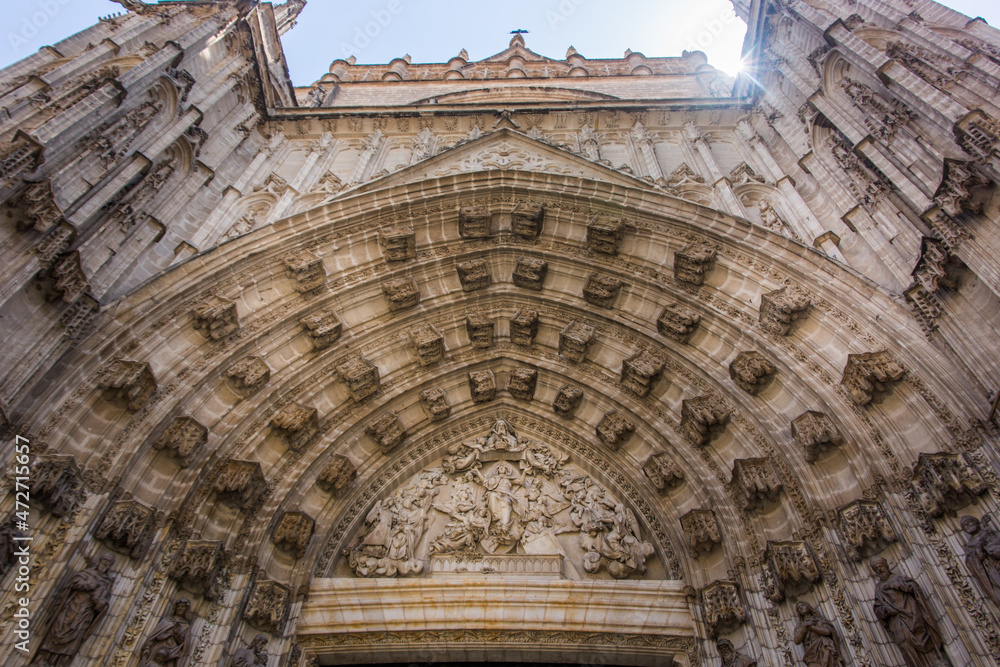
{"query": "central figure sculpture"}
[(500, 494)]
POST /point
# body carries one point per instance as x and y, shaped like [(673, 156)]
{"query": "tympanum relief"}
[(506, 498)]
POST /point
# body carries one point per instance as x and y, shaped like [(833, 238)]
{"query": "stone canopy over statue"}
[(505, 496)]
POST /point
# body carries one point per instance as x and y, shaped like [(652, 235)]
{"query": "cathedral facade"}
[(525, 359)]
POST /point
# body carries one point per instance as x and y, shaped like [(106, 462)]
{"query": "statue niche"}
[(492, 500)]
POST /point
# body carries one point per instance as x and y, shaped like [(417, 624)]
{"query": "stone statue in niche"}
[(731, 657), (169, 640), (904, 613), (253, 655), (77, 607), (982, 554), (503, 496), (818, 638)]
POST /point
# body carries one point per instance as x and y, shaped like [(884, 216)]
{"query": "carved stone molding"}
[(755, 482), (792, 567), (692, 262), (387, 430), (524, 327), (641, 371), (865, 529), (337, 476), (529, 273), (703, 419), (182, 440), (324, 328), (215, 317), (480, 330), (575, 340), (297, 425), (398, 243), (267, 606), (527, 219), (435, 403), (663, 473), (722, 608), (482, 386), (400, 294), (614, 429), (128, 527), (57, 484), (361, 376), (293, 532), (678, 322), (815, 433), (521, 383), (868, 376), (946, 482), (305, 268), (127, 383), (248, 375), (751, 372), (198, 566), (474, 222), (567, 400), (782, 307), (240, 484), (702, 531), (428, 343), (474, 274), (605, 234), (602, 290)]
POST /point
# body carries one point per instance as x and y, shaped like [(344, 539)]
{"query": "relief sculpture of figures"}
[(982, 554), (730, 656), (169, 641), (77, 608), (905, 615), (252, 656), (499, 495), (818, 638)]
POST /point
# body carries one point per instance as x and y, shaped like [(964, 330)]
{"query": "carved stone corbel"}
[(474, 222), (702, 531), (567, 400), (755, 483), (524, 327), (946, 482), (641, 371), (703, 419), (435, 403), (400, 294), (474, 274), (128, 527), (215, 317), (575, 340), (361, 376), (182, 440), (387, 430), (482, 386), (602, 290), (337, 476), (297, 425), (815, 433), (521, 383), (428, 343), (868, 376), (293, 532), (398, 243), (305, 268), (57, 484), (663, 473), (692, 262), (198, 566), (129, 384), (722, 608), (614, 429), (792, 567), (527, 219), (605, 234), (267, 606), (751, 372), (782, 307), (323, 328), (530, 272), (480, 330), (678, 322), (248, 375), (240, 484), (865, 529)]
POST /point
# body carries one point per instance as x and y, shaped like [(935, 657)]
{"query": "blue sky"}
[(375, 31)]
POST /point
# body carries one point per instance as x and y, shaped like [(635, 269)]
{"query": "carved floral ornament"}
[(519, 502)]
